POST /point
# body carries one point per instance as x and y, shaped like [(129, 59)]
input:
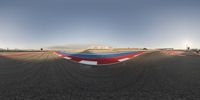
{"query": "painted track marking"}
[(124, 59), (88, 62), (67, 58), (98, 61)]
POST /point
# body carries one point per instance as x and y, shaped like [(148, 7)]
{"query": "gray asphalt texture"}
[(151, 76)]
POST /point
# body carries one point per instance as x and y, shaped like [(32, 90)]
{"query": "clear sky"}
[(118, 23)]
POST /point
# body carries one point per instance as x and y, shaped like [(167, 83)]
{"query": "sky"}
[(32, 24)]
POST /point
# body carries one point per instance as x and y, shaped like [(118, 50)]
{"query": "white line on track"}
[(67, 58), (88, 62), (59, 55), (124, 59)]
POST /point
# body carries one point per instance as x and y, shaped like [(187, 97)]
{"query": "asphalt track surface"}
[(151, 76)]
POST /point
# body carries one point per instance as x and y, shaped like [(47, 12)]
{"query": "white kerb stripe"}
[(67, 58), (88, 62), (124, 59)]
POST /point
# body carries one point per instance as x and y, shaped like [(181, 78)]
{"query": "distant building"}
[(165, 48), (129, 48), (99, 47)]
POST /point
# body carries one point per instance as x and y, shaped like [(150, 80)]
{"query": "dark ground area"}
[(151, 76)]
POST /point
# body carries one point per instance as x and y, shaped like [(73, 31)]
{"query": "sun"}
[(187, 43)]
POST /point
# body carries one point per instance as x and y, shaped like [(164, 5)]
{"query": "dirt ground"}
[(151, 76)]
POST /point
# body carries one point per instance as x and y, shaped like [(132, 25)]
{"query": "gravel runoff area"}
[(151, 76)]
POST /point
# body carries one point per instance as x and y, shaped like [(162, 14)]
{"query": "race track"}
[(150, 76)]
